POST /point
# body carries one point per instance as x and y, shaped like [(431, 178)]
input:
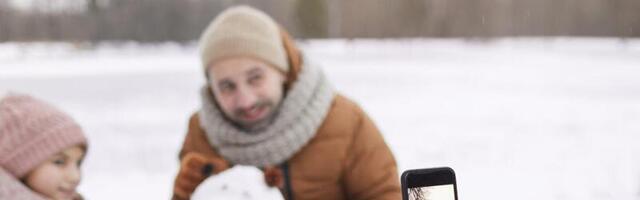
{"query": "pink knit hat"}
[(31, 131)]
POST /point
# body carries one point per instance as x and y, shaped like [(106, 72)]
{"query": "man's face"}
[(248, 90)]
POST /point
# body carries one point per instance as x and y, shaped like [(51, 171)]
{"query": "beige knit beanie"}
[(31, 131), (243, 31)]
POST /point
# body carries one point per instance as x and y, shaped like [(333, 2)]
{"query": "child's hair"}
[(31, 131)]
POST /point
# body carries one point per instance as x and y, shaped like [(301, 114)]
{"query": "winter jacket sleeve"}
[(371, 168), (198, 161), (12, 188), (196, 140)]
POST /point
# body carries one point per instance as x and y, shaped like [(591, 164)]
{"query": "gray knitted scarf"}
[(302, 112)]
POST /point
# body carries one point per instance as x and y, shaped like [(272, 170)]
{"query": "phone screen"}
[(436, 192)]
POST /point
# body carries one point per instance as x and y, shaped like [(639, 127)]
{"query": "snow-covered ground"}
[(516, 118)]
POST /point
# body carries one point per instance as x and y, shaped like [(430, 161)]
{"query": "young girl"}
[(41, 150)]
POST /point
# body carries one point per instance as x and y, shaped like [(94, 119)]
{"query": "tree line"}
[(183, 20)]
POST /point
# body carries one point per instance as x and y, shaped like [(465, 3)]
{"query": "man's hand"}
[(274, 177), (194, 169)]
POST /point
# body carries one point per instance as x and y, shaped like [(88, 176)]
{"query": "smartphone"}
[(429, 184)]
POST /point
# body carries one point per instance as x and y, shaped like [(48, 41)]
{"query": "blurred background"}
[(525, 99), (170, 20)]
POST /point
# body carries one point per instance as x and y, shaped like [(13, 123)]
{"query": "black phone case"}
[(428, 177)]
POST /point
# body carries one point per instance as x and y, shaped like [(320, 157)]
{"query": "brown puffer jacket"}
[(346, 159)]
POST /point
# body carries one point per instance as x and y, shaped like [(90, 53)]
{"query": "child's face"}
[(58, 177)]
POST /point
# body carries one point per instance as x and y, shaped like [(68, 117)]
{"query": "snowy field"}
[(525, 119)]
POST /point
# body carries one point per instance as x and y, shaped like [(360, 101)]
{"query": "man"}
[(264, 106)]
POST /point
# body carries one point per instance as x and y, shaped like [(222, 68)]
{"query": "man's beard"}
[(260, 124)]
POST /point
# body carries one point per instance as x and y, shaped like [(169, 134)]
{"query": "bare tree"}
[(5, 18), (312, 18), (417, 194)]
